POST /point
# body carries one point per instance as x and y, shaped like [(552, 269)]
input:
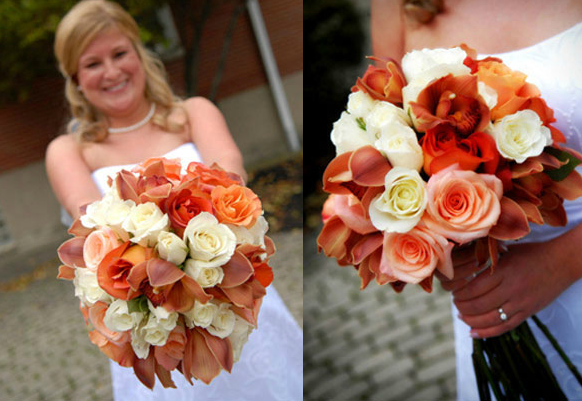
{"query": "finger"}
[(482, 304), (480, 285), (488, 319), (497, 330)]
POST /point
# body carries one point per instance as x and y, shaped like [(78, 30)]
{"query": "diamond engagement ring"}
[(502, 315)]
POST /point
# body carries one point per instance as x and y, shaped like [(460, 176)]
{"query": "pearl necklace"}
[(135, 126)]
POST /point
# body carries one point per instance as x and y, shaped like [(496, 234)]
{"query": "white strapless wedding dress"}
[(555, 67), (271, 363)]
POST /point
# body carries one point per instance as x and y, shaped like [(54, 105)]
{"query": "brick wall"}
[(27, 128)]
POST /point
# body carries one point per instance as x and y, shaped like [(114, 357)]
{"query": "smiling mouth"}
[(117, 87)]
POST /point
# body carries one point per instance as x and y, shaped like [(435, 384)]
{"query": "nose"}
[(111, 70)]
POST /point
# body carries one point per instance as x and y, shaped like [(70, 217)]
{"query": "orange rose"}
[(236, 205), (452, 100), (442, 147), (382, 83), (113, 270), (183, 205)]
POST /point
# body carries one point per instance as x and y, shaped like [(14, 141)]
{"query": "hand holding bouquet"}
[(170, 269), (444, 151)]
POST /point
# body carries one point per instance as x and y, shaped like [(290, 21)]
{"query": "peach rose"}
[(462, 205), (98, 244), (411, 257), (236, 205)]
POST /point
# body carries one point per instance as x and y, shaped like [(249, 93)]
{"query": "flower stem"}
[(558, 349)]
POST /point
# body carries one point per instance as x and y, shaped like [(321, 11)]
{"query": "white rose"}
[(521, 135), (203, 275), (118, 318), (164, 319), (239, 336), (110, 211), (360, 104), (400, 145), (140, 346), (347, 135), (211, 244), (420, 67), (384, 115), (145, 221), (201, 314), (154, 332), (171, 248), (87, 288), (254, 235), (223, 322), (401, 205)]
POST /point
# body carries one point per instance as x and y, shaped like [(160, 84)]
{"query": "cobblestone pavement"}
[(373, 344), (46, 354)]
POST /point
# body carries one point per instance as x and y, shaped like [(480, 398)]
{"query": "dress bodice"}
[(187, 152), (554, 66)]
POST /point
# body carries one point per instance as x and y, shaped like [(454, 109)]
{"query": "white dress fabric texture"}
[(555, 67), (271, 363)]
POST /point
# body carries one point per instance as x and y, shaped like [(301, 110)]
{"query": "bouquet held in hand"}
[(445, 151), (170, 268)]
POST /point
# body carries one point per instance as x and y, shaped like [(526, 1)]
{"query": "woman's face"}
[(111, 74)]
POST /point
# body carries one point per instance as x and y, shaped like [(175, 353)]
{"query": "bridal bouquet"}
[(170, 268), (442, 151)]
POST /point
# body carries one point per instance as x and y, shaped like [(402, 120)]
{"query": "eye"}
[(92, 64), (119, 54)]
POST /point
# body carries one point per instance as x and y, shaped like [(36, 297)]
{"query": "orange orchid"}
[(382, 83), (208, 178), (452, 100)]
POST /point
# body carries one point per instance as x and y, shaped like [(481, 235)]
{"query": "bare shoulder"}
[(199, 105), (62, 145)]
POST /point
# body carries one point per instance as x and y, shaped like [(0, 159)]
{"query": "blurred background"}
[(358, 345), (246, 56)]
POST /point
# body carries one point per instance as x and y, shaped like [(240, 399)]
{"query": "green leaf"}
[(361, 123), (139, 304), (561, 173)]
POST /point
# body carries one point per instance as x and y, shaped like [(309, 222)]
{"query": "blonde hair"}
[(75, 32)]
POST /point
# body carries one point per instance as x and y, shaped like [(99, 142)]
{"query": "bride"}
[(124, 112), (543, 273)]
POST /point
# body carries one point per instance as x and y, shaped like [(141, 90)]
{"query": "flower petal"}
[(512, 223), (332, 238), (144, 369), (220, 348), (161, 272), (71, 252), (66, 272), (368, 167), (204, 365), (236, 271)]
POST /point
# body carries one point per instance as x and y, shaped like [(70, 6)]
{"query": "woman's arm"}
[(69, 176), (208, 130), (387, 29)]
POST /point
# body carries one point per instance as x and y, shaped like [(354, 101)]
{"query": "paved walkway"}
[(373, 344), (46, 354)]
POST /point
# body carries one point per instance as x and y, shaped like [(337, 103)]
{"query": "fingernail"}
[(473, 334)]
